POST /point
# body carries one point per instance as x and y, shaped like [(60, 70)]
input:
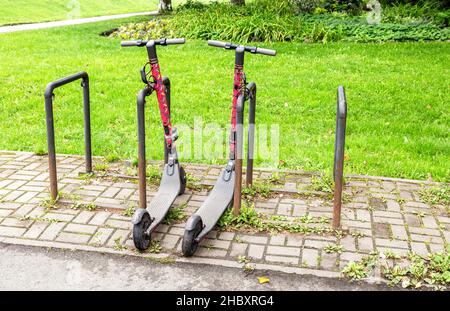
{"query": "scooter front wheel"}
[(189, 245), (141, 238)]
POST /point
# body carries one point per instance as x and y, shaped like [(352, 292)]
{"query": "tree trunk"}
[(238, 2), (165, 6)]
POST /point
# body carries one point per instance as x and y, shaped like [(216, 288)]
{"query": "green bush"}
[(276, 21)]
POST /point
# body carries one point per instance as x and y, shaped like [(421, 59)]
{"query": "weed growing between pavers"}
[(253, 221), (439, 195), (175, 215), (410, 271)]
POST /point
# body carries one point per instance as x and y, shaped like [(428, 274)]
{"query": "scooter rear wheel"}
[(189, 245), (183, 180), (140, 237)]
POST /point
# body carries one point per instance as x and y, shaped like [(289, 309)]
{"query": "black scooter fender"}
[(137, 217), (192, 221)]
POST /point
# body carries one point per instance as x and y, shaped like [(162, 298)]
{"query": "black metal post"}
[(51, 128), (238, 159), (251, 88), (338, 169)]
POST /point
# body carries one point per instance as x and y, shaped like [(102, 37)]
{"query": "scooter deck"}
[(217, 202), (168, 191)]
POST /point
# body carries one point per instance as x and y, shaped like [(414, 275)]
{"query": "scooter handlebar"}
[(176, 41), (218, 44), (251, 49), (133, 43), (157, 42), (266, 52)]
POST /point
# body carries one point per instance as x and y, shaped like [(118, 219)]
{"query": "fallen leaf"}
[(263, 280)]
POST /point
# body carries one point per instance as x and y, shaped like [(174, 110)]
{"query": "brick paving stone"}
[(391, 243), (348, 243), (396, 251), (11, 231), (162, 228), (119, 236), (9, 205), (328, 261), (350, 256), (36, 229), (13, 195), (78, 228), (100, 237), (294, 241), (399, 232), (99, 218), (5, 212), (83, 217), (52, 231), (14, 222), (283, 251), (253, 239), (426, 238), (110, 192), (424, 231), (215, 243), (419, 248), (429, 222), (436, 248), (177, 231), (170, 241), (74, 238), (60, 217), (24, 210), (309, 257), (256, 251), (277, 239), (393, 206), (363, 215), (284, 209), (118, 224), (382, 230), (210, 252), (282, 259), (238, 249), (315, 243), (124, 194), (15, 185), (365, 244), (228, 236)]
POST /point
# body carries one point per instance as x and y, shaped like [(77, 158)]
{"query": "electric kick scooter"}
[(173, 182), (227, 190)]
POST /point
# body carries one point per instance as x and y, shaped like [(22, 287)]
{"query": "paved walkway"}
[(68, 22), (378, 214)]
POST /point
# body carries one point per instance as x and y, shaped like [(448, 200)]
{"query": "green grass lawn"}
[(398, 96), (27, 11)]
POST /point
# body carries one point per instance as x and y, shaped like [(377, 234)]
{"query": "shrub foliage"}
[(286, 20)]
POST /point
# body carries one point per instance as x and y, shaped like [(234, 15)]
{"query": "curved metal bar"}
[(142, 162), (51, 127), (339, 146)]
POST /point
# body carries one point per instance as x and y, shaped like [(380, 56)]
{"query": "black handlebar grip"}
[(266, 52), (176, 41), (131, 43), (218, 44)]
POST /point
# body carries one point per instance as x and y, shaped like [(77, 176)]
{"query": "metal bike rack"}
[(142, 161), (339, 146), (49, 96), (251, 96)]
